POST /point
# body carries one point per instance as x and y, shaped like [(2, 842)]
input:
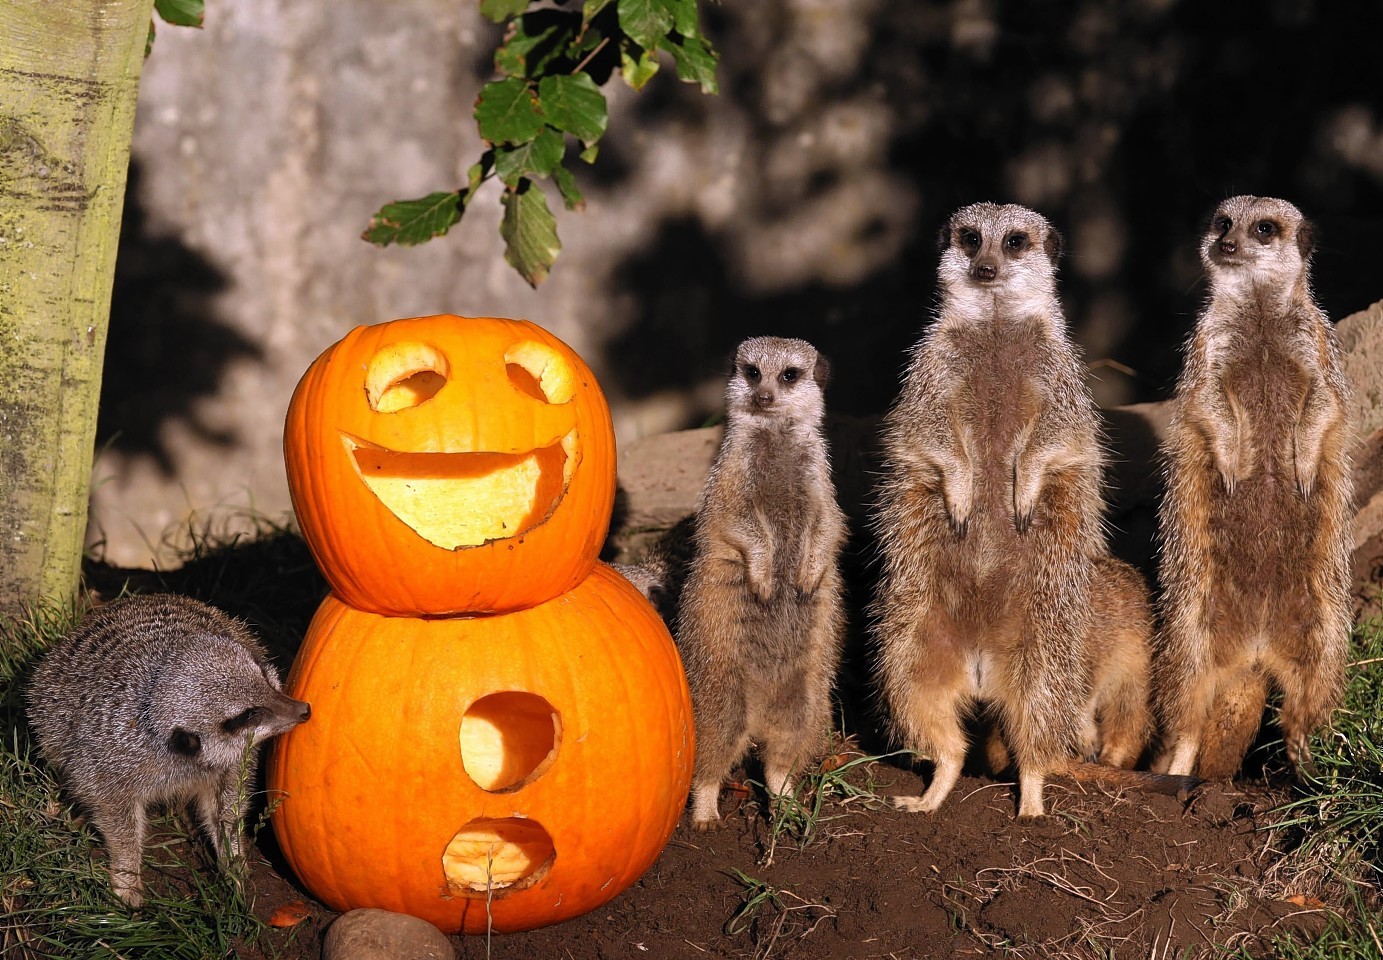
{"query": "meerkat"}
[(989, 517), (1254, 525), (157, 698), (760, 621), (1116, 721)]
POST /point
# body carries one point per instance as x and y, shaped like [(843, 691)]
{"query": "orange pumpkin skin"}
[(347, 426), (374, 785)]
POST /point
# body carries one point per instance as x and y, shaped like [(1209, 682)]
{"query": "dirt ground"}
[(1105, 874)]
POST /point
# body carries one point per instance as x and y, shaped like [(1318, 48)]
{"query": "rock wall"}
[(803, 200)]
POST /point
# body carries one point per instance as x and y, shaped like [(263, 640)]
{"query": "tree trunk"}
[(69, 74)]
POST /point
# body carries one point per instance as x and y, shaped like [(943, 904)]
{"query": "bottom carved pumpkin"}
[(495, 772)]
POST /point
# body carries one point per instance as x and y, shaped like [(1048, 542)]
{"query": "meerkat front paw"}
[(1306, 475), (1228, 464)]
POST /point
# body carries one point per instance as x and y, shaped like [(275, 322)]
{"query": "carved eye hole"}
[(1265, 230), (751, 373), (404, 375), (540, 372), (1016, 242), (969, 241), (790, 375)]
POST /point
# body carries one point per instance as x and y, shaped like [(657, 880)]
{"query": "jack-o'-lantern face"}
[(450, 465)]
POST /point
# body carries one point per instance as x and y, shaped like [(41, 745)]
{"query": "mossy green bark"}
[(69, 75)]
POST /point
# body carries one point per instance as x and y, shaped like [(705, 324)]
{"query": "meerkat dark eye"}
[(790, 375), (184, 742), (969, 241), (751, 372), (1016, 242), (1265, 229), (241, 720), (1223, 224)]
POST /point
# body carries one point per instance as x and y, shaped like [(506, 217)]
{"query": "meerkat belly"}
[(1263, 528), (782, 498)]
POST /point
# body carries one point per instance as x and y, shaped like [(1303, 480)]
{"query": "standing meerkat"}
[(157, 698), (760, 622), (989, 516), (1254, 525)]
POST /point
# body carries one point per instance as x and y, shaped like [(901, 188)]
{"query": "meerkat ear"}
[(1054, 244), (1307, 236), (821, 373), (184, 742)]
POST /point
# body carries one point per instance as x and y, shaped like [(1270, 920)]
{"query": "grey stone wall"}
[(803, 201)]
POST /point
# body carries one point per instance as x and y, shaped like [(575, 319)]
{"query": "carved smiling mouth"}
[(458, 500)]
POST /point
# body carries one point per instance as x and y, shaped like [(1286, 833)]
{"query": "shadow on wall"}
[(849, 131), (1124, 123), (166, 350)]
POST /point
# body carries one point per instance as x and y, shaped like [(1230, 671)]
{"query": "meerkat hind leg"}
[(123, 831), (945, 776), (1030, 785), (1233, 722)]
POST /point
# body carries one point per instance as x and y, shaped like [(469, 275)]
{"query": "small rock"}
[(1361, 352), (382, 935)]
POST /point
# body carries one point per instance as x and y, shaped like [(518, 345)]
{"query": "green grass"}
[(1332, 832), (55, 895), (820, 796), (771, 916)]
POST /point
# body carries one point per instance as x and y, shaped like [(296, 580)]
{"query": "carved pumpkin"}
[(517, 769), (450, 465)]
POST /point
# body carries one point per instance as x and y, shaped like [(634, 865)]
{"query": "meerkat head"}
[(1257, 244), (777, 377), (214, 698), (1002, 255)]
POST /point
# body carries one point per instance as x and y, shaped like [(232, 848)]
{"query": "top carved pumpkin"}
[(444, 465)]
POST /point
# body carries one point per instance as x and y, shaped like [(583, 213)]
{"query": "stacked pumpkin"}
[(501, 733)]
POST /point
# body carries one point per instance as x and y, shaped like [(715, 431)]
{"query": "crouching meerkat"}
[(989, 513), (1254, 524), (1116, 722), (760, 620), (151, 699)]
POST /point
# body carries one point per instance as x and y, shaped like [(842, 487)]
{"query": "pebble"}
[(370, 934)]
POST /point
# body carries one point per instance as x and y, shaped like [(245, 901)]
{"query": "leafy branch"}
[(551, 66), (181, 13)]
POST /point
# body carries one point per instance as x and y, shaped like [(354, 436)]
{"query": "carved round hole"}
[(490, 857), (509, 739)]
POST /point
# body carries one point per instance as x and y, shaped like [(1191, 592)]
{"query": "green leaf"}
[(590, 8), (184, 13), (501, 10), (149, 41), (534, 42), (589, 154), (408, 222), (696, 62), (645, 21), (476, 175), (507, 112), (566, 183), (537, 157), (684, 19), (574, 104), (530, 232), (637, 71)]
